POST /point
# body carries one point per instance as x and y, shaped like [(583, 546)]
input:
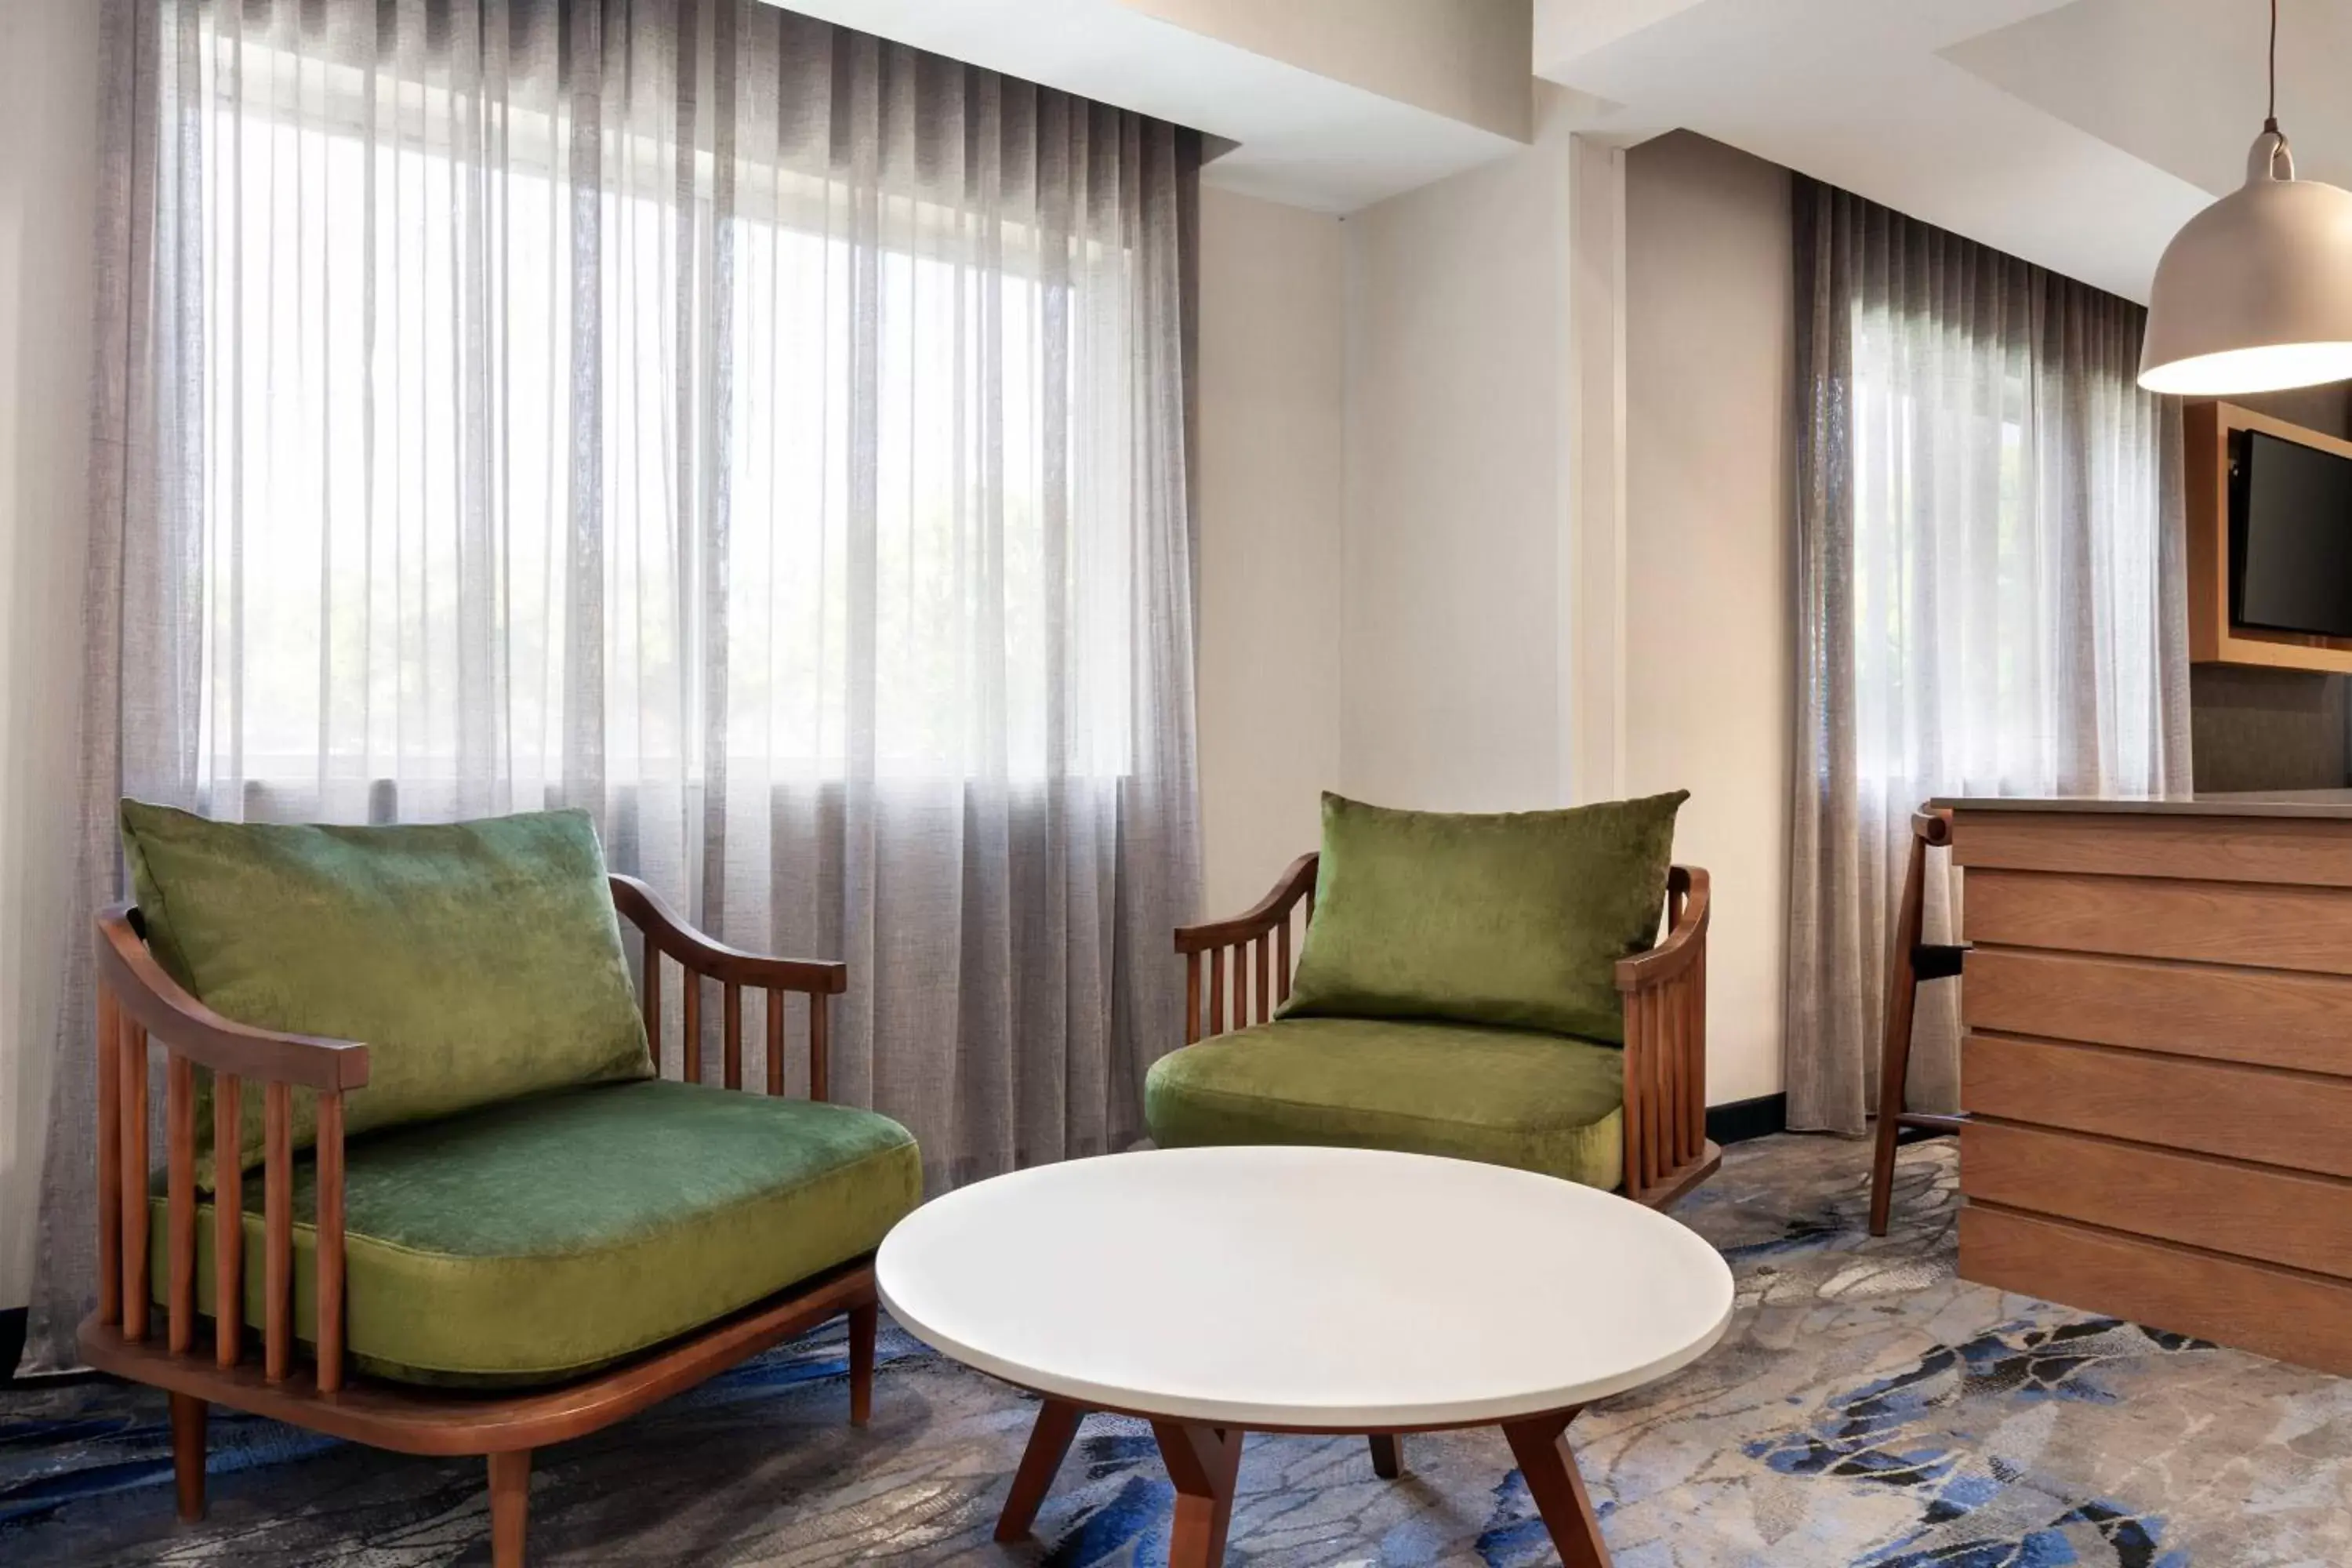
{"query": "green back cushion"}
[(476, 961), (1511, 917)]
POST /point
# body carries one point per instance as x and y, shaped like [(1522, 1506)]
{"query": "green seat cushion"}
[(476, 961), (1505, 1097), (537, 1240), (1510, 917)]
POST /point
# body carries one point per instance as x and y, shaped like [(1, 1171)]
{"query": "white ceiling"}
[(2078, 134), (1332, 139), (2180, 82)]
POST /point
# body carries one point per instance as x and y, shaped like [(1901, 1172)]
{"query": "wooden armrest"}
[(132, 985), (645, 910), (1685, 944), (1262, 917), (142, 989), (1667, 1150)]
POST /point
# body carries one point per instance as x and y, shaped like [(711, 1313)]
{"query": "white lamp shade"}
[(2254, 293)]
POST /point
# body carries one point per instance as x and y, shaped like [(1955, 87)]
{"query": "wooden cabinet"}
[(2205, 473), (2157, 1070)]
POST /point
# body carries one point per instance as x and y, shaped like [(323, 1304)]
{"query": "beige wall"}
[(2251, 727), (1269, 472), (1709, 365), (48, 125), (1501, 355), (1456, 413), (1467, 60)]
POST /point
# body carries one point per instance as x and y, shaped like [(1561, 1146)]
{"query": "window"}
[(2007, 536), (733, 461)]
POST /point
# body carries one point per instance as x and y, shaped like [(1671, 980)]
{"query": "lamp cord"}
[(2270, 121)]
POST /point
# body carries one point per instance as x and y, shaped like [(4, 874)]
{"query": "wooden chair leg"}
[(862, 1321), (188, 1415), (510, 1507), (1895, 1066), (1895, 1046), (1049, 1442), (1388, 1463)]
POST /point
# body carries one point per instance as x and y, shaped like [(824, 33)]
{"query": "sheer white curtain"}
[(1990, 575), (768, 438)]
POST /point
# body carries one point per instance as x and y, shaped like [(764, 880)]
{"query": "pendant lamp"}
[(2254, 293)]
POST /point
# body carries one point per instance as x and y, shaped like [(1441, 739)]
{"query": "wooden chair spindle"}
[(653, 1002), (733, 1013), (180, 1199), (132, 1068), (1699, 1055), (278, 1231), (776, 1021), (1654, 1093), (1693, 1138), (1629, 1117), (228, 1218), (328, 1330), (1191, 998), (1673, 1066), (820, 1033), (1662, 1067), (110, 1160)]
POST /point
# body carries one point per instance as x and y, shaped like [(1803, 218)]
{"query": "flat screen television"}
[(2290, 536)]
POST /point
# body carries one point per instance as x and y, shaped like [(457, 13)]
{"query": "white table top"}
[(1321, 1288)]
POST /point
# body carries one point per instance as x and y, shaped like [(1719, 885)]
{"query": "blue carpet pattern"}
[(1866, 1408)]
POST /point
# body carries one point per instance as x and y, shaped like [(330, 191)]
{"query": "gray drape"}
[(766, 436), (1991, 598)]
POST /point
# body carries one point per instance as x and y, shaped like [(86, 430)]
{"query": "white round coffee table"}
[(1215, 1292)]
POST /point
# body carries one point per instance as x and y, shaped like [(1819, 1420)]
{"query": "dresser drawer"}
[(2313, 853), (2266, 1016), (2292, 1119), (2279, 1217), (2302, 1318), (2209, 922)]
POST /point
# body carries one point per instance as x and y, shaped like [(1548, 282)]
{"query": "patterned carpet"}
[(1865, 1408)]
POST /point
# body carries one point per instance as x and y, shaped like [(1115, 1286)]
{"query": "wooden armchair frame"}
[(1667, 1152), (1909, 959), (140, 1006)]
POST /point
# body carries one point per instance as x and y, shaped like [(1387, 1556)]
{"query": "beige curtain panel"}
[(1989, 563), (768, 438)]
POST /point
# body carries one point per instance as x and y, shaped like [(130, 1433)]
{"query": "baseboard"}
[(1744, 1119), (12, 1356)]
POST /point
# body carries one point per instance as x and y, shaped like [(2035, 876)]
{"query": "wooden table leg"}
[(1542, 1448), (1049, 1440), (1204, 1462), (1386, 1463)]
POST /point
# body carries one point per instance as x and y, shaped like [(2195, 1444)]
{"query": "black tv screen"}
[(2290, 537)]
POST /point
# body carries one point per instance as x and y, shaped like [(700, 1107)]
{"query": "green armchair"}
[(1453, 1063), (495, 1225)]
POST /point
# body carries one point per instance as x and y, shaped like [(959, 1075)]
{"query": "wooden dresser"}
[(2158, 1063)]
